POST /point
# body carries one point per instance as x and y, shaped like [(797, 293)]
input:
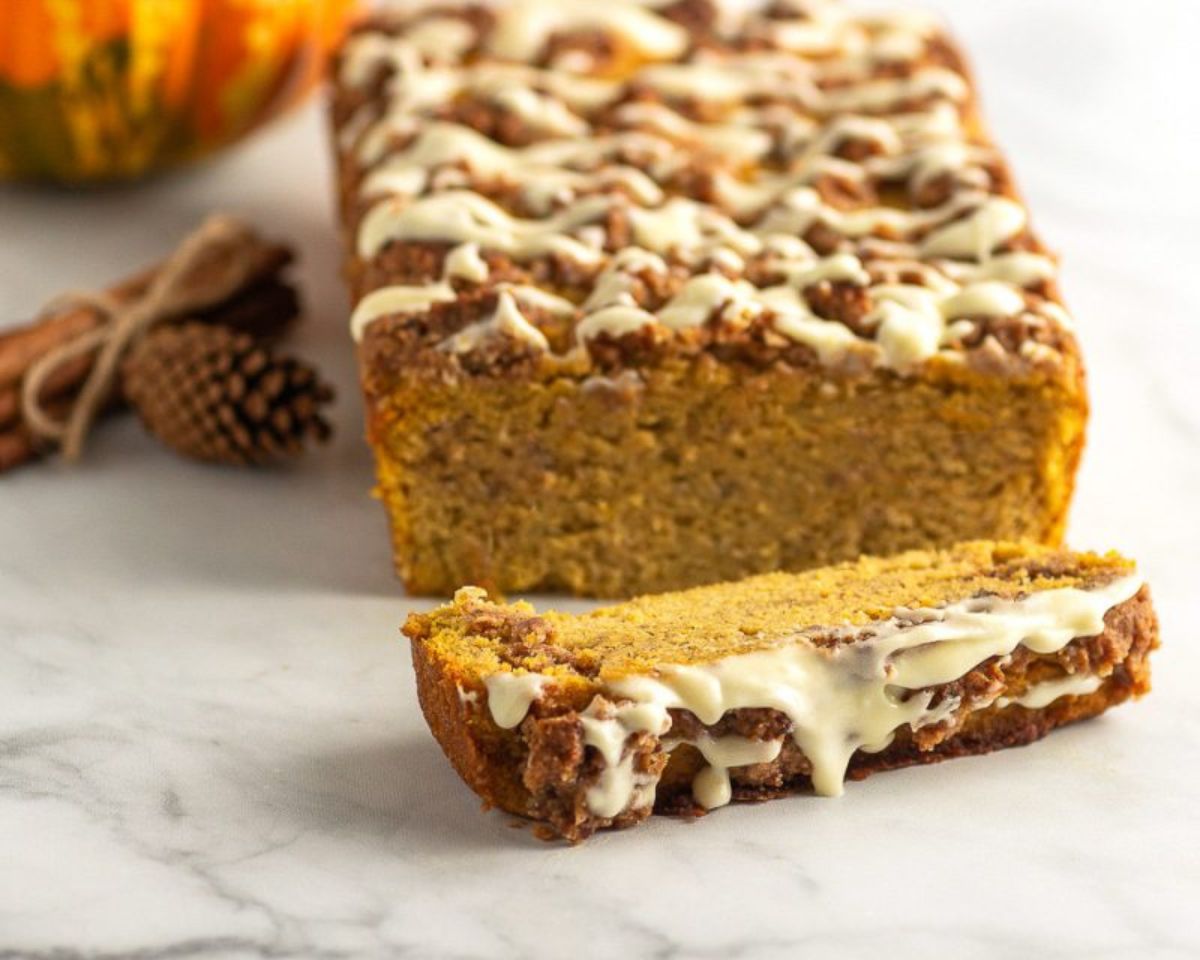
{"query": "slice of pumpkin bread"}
[(682, 702)]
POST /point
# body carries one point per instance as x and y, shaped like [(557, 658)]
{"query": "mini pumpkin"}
[(113, 89)]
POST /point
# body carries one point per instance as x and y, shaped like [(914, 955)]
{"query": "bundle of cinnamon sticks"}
[(265, 306)]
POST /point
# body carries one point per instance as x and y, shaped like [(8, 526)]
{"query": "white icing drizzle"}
[(977, 235), (461, 216), (741, 140), (541, 112), (506, 321), (523, 27), (818, 79), (608, 727), (396, 300), (1045, 693), (852, 696), (511, 694), (615, 321), (417, 90), (549, 170), (463, 262), (440, 39), (913, 322), (739, 78), (711, 787)]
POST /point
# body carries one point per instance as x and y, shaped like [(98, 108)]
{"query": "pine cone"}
[(217, 394)]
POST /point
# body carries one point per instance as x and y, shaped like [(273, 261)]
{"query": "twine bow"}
[(208, 267)]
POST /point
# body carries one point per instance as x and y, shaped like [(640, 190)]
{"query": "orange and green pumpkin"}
[(111, 89)]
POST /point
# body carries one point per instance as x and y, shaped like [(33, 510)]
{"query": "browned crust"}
[(541, 770)]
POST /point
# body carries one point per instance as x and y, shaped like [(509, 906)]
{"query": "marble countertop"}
[(209, 738)]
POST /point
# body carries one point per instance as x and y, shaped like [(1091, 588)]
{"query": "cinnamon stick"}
[(20, 347), (66, 379), (266, 307), (265, 310), (16, 448), (17, 445)]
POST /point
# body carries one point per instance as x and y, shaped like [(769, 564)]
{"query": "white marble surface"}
[(209, 740)]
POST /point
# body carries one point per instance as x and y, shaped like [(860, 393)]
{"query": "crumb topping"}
[(688, 173)]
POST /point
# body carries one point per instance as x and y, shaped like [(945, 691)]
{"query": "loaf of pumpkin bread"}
[(649, 295)]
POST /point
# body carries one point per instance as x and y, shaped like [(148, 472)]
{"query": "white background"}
[(209, 742)]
